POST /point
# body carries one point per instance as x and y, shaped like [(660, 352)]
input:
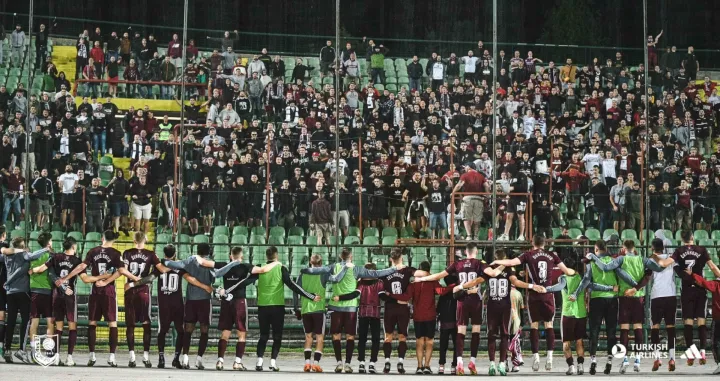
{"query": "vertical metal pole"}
[(646, 159), (268, 194), (492, 128), (177, 228), (28, 134), (337, 135), (360, 195)]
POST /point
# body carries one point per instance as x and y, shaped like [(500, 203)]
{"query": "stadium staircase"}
[(64, 59)]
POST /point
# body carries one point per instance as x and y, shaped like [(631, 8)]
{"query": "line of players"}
[(616, 290)]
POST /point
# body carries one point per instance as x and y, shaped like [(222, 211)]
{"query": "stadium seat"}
[(574, 233), (257, 239), (556, 232), (93, 236), (354, 231), (371, 232), (418, 254), (200, 238), (277, 231), (592, 234), (276, 240), (20, 233), (240, 230), (407, 232), (575, 224), (370, 240), (700, 234), (258, 230), (647, 236), (221, 249), (608, 232), (628, 234), (678, 235), (221, 230), (715, 236), (351, 240), (163, 238), (389, 241), (295, 240), (389, 232), (239, 239), (297, 231)]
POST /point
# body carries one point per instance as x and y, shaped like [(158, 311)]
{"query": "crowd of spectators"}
[(569, 139)]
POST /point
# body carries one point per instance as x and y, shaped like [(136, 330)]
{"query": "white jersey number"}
[(170, 282), (498, 288)]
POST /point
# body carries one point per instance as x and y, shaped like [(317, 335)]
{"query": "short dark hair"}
[(629, 244), (203, 249), (3, 230), (68, 243), (424, 266), (43, 239), (236, 251), (686, 235), (18, 243), (345, 254), (539, 240), (271, 253), (658, 245), (396, 254), (110, 235), (471, 246), (370, 266), (600, 244), (169, 251)]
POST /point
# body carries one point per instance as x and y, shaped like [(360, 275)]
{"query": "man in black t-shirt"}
[(416, 207), (141, 206), (397, 203), (436, 202)]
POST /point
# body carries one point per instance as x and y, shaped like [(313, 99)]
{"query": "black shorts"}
[(233, 314), (516, 205), (663, 309), (425, 329), (694, 303), (417, 210), (67, 201), (396, 315), (469, 310), (198, 311), (314, 323), (41, 305), (3, 297), (379, 213), (703, 215), (343, 322)]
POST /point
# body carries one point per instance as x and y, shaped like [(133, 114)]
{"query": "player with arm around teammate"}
[(499, 280), (343, 318), (470, 306), (538, 263), (64, 301), (693, 298)]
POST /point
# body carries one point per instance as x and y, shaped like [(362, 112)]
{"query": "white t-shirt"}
[(68, 181)]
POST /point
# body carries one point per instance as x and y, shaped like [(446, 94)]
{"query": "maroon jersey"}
[(398, 282), (498, 289), (140, 262), (169, 289), (692, 257), (100, 260), (466, 270), (539, 265), (63, 264)]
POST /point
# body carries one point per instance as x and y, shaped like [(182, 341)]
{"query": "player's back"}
[(466, 270), (62, 264), (169, 289), (140, 262), (498, 289), (102, 260), (539, 265), (398, 282), (691, 257)]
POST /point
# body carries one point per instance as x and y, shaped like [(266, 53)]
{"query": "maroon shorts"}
[(498, 319), (396, 315), (631, 310), (343, 322), (198, 311), (233, 314), (469, 310), (170, 313), (541, 307), (663, 308), (137, 306), (572, 328), (102, 306), (314, 323), (694, 303), (64, 306), (40, 306)]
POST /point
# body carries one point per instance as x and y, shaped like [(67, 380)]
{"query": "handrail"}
[(121, 82)]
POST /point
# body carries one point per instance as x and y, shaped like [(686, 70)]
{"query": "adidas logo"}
[(691, 353)]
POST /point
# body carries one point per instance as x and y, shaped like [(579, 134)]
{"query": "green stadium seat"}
[(379, 87), (277, 231), (239, 239), (391, 87), (57, 235), (556, 232), (700, 234), (276, 240), (647, 236), (678, 235), (19, 233), (78, 236), (371, 232), (389, 241), (360, 256), (241, 230), (593, 234), (200, 238), (351, 240), (574, 232), (297, 230), (258, 230), (389, 232), (391, 81), (406, 232), (715, 236), (311, 240), (295, 240), (322, 251), (221, 248), (628, 234), (575, 224), (609, 232), (163, 238), (257, 239), (370, 240), (221, 230), (418, 254)]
